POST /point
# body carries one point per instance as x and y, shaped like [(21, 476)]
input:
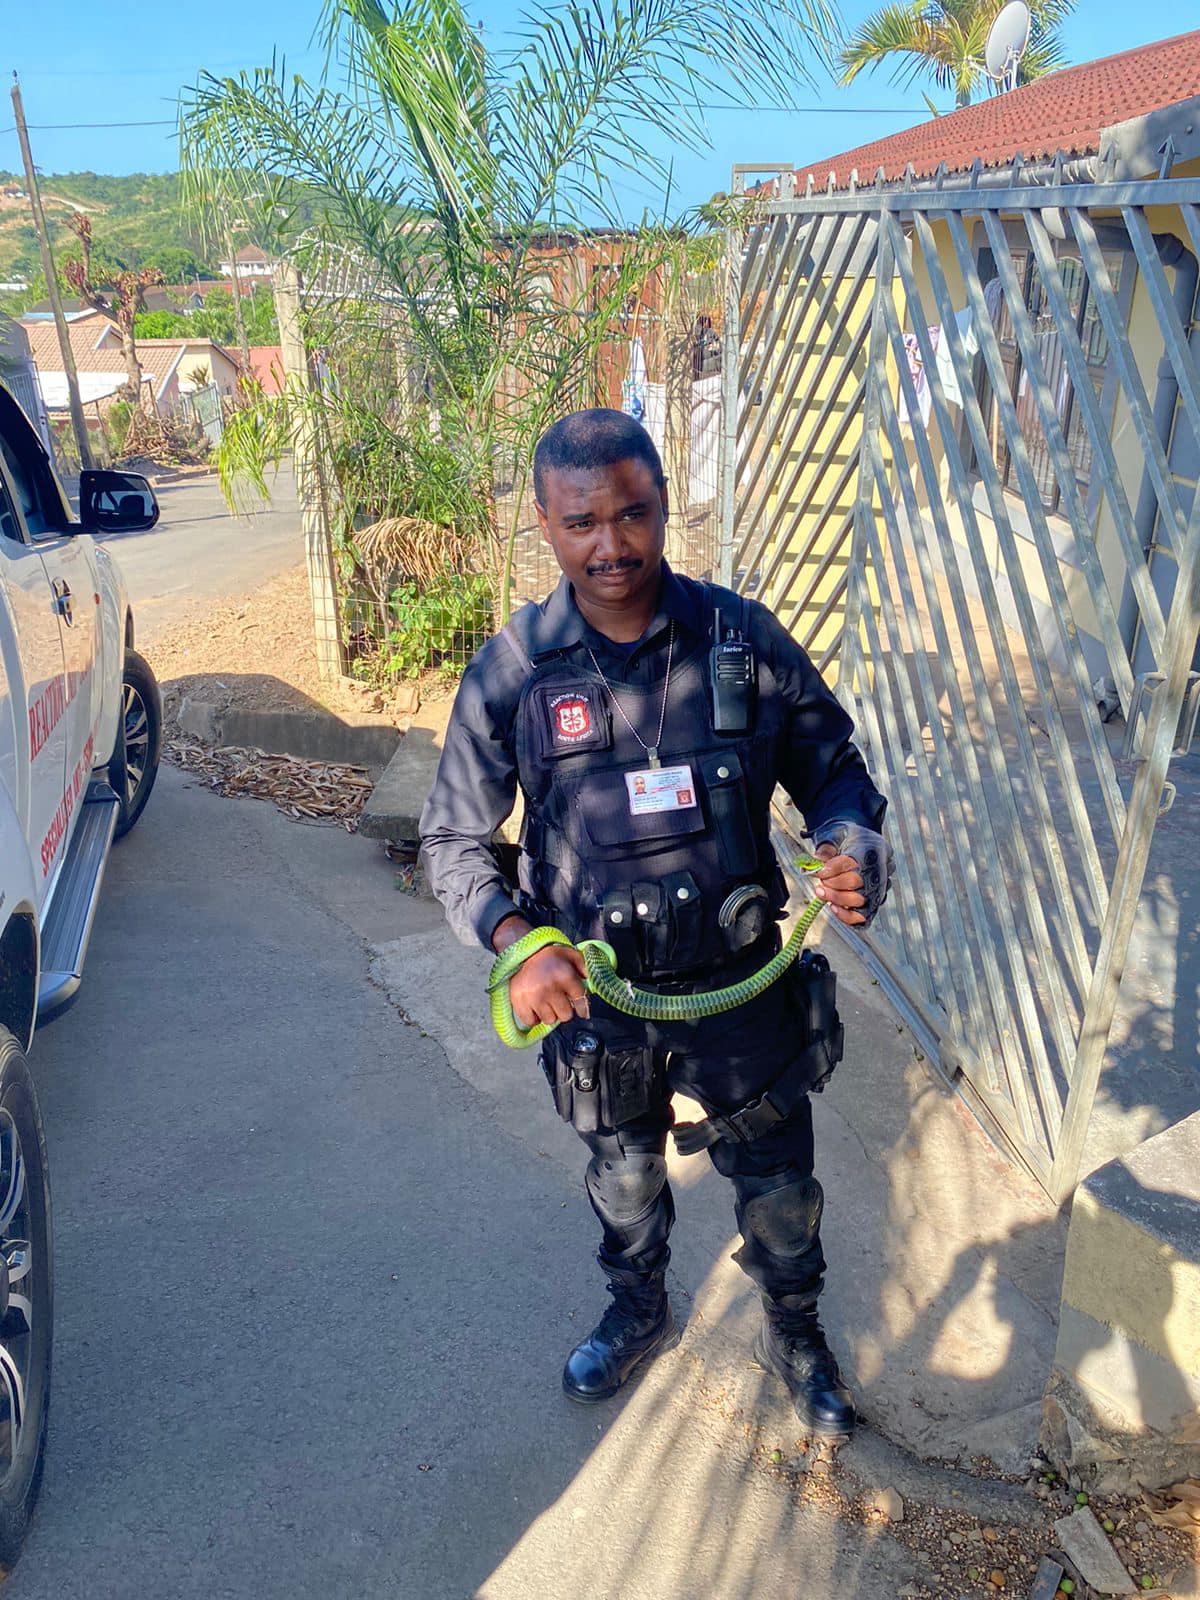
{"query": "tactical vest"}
[(680, 891)]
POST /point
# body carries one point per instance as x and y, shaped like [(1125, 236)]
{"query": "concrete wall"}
[(1123, 1403)]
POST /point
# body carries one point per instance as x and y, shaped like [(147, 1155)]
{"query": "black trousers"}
[(723, 1062)]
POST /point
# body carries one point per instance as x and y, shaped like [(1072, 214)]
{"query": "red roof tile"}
[(1065, 111)]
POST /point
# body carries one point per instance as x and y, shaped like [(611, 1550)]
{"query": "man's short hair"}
[(586, 441)]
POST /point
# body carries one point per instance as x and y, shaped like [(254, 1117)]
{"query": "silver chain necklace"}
[(650, 749)]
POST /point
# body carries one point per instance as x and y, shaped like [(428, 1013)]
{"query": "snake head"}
[(809, 863)]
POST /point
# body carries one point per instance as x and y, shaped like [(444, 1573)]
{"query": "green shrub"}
[(430, 625)]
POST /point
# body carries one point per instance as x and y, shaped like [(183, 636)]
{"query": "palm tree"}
[(447, 184), (945, 39)]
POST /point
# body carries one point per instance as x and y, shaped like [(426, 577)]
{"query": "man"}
[(646, 720)]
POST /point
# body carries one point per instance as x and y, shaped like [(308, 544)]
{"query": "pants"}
[(723, 1062)]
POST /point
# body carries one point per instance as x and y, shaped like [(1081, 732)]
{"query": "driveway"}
[(314, 1297), (199, 552)]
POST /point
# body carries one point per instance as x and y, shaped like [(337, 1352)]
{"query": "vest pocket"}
[(601, 802), (726, 786)]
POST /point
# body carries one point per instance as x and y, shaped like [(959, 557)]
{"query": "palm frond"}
[(904, 30)]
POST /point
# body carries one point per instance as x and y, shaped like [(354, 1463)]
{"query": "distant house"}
[(172, 368), (251, 263), (184, 297)]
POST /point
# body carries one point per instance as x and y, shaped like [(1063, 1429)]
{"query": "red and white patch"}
[(572, 718)]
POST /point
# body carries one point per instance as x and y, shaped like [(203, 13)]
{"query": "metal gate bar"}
[(1013, 703), (960, 650), (986, 839)]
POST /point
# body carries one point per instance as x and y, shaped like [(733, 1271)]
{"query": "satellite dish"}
[(1007, 42)]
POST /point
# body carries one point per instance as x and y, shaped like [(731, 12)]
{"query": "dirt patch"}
[(257, 653)]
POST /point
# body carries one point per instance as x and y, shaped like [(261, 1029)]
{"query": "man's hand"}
[(857, 873), (839, 883), (547, 987)]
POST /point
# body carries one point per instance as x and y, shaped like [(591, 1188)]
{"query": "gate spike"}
[(1018, 170), (910, 176), (1059, 160), (939, 175), (1168, 152), (976, 169), (808, 187), (880, 178)]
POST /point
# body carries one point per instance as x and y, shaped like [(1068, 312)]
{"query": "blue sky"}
[(76, 67)]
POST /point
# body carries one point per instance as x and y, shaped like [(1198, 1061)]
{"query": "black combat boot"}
[(637, 1326), (791, 1343)]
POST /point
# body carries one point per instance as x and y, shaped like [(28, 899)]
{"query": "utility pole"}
[(60, 321), (239, 321)]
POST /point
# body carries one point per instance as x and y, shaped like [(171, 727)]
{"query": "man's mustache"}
[(626, 564)]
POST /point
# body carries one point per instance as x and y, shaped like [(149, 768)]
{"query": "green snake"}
[(602, 979)]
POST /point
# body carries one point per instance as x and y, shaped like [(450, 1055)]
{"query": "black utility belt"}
[(605, 1074), (669, 928), (717, 974)]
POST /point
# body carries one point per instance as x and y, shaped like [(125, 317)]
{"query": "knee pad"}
[(784, 1221), (623, 1187)]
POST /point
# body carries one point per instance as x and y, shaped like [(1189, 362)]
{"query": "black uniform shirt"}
[(476, 784)]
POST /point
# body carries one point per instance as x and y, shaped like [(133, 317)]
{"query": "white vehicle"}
[(80, 731)]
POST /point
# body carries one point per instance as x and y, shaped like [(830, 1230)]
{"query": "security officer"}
[(646, 719)]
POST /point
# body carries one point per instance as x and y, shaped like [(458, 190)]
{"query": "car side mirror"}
[(116, 502)]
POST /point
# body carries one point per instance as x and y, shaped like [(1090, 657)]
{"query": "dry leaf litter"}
[(307, 791)]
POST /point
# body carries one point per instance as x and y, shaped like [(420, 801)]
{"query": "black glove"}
[(872, 853)]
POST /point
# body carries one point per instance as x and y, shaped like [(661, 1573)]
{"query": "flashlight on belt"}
[(585, 1076)]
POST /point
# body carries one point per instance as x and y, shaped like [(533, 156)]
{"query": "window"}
[(1095, 351)]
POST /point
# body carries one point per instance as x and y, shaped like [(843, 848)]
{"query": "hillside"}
[(133, 218)]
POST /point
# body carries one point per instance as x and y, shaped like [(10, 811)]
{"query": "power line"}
[(721, 105), (812, 111), (58, 127)]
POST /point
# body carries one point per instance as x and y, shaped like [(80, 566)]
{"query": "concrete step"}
[(394, 809)]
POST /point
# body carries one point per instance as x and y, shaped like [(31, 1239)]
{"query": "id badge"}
[(660, 789)]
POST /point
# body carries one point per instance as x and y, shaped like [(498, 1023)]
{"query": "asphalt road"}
[(199, 552), (313, 1293)]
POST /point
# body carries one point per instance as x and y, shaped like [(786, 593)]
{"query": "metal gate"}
[(963, 473), (208, 412)]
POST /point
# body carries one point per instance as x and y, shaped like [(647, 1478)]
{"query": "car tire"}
[(26, 1296), (139, 741)]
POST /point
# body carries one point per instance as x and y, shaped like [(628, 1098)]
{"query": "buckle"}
[(754, 1119)]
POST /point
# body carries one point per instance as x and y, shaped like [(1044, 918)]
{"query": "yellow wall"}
[(801, 516)]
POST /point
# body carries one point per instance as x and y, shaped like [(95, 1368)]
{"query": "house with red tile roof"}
[(171, 368), (1111, 117), (1070, 377)]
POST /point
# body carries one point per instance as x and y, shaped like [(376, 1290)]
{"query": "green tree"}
[(258, 309), (177, 264), (432, 179), (944, 40), (162, 325), (215, 318)]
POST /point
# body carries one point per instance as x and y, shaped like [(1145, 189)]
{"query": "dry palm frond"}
[(408, 546), (306, 791)]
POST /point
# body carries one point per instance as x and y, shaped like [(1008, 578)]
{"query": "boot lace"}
[(631, 1313), (806, 1349)]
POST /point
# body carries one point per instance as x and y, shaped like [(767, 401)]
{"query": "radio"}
[(733, 674)]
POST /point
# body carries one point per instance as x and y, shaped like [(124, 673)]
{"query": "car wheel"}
[(26, 1298), (141, 736)]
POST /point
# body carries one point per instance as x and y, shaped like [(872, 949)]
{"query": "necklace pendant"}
[(653, 757)]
